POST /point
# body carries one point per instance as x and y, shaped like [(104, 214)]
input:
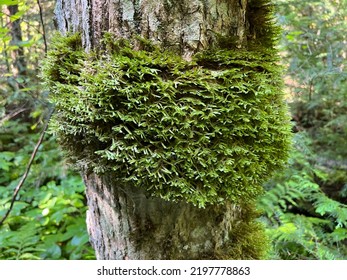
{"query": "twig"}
[(23, 20), (12, 115), (43, 26), (25, 175)]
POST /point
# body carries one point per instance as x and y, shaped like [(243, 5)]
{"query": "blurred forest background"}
[(304, 206)]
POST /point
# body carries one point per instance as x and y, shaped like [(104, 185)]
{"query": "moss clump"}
[(248, 239), (205, 131), (262, 30)]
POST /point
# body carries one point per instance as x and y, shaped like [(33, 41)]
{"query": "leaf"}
[(28, 256), (9, 2), (45, 212), (51, 251), (79, 240)]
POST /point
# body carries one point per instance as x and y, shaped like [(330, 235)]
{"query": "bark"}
[(125, 222), (185, 25), (15, 59), (19, 66)]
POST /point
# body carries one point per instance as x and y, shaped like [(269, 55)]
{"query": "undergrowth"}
[(302, 221)]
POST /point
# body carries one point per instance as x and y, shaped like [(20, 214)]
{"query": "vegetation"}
[(179, 129), (48, 219), (304, 206)]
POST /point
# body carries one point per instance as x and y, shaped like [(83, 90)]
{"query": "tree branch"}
[(12, 115)]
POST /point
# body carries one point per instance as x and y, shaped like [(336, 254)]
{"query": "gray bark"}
[(125, 222), (185, 25)]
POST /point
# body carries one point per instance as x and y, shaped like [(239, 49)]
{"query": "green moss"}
[(208, 131), (262, 28), (248, 238), (205, 131)]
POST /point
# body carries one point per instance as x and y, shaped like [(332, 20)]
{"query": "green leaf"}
[(9, 2)]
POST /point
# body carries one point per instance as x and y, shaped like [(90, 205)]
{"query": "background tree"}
[(180, 100)]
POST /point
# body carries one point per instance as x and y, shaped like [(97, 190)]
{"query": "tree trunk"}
[(184, 25), (19, 64), (125, 222)]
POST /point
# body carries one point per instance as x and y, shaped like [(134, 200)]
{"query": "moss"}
[(262, 29), (248, 238), (205, 131)]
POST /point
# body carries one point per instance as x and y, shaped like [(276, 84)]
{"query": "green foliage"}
[(20, 50), (302, 221), (48, 217), (315, 50), (305, 210), (206, 131), (20, 246), (48, 221)]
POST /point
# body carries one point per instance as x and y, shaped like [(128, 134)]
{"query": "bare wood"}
[(126, 223)]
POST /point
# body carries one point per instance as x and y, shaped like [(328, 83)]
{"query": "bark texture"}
[(125, 222), (19, 66), (184, 25)]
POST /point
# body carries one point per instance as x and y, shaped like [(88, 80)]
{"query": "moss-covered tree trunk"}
[(124, 221)]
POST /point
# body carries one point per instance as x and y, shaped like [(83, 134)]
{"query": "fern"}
[(302, 221), (327, 206), (21, 244)]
